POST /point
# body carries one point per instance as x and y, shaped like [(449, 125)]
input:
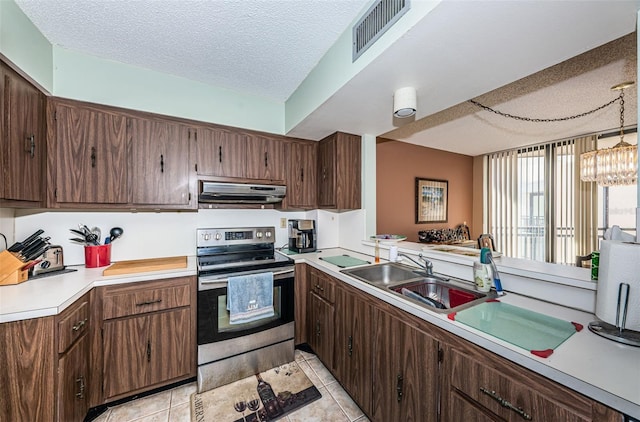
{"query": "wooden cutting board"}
[(144, 265)]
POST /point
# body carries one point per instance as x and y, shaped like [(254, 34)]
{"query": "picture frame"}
[(432, 200)]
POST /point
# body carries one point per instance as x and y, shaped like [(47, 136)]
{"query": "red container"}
[(97, 256)]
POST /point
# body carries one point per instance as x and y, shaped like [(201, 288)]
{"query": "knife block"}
[(11, 269)]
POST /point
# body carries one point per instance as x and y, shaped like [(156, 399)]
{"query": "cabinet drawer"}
[(140, 298), (72, 323), (522, 398), (322, 285)]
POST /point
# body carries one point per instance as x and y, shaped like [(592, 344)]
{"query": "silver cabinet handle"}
[(79, 325), (505, 403), (80, 382), (31, 145), (151, 302)]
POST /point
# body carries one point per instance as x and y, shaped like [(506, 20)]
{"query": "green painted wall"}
[(23, 44), (93, 79)]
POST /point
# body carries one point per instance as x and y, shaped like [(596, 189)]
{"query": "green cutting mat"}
[(344, 261), (523, 328)]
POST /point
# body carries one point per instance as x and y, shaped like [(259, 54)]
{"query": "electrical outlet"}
[(283, 223)]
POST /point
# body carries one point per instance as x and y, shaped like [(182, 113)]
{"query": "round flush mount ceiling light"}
[(404, 102)]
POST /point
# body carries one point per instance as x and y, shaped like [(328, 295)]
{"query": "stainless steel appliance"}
[(240, 193), (302, 235), (228, 352), (52, 260)]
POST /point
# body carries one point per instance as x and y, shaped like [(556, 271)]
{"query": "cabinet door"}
[(125, 346), (265, 158), (405, 372), (221, 153), (159, 163), (326, 173), (321, 327), (90, 156), (27, 359), (302, 176), (171, 345), (141, 352), (25, 147), (353, 347), (73, 382)]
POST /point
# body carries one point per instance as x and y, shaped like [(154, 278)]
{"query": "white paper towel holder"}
[(618, 332)]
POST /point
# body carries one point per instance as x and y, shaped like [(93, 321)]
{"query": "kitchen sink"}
[(417, 286), (384, 274), (441, 296)]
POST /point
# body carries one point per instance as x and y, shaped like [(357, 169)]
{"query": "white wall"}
[(148, 235)]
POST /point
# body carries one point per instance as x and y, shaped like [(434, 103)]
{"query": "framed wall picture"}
[(431, 200)]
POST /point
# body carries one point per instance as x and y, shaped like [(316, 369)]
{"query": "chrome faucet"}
[(427, 265)]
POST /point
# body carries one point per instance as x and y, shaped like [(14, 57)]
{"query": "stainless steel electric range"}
[(228, 352)]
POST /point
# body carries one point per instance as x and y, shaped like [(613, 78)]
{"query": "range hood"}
[(240, 193)]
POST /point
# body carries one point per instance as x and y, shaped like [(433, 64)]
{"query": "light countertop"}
[(606, 371), (50, 295)]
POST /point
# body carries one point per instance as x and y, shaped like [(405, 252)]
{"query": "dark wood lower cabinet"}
[(143, 351), (353, 332), (321, 330), (73, 382), (398, 367), (477, 385), (27, 370), (148, 336), (405, 371)]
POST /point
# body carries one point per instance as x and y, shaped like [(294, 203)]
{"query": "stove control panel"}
[(235, 236)]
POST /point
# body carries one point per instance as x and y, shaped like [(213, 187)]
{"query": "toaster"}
[(52, 260)]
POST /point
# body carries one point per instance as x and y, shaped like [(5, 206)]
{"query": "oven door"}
[(213, 316)]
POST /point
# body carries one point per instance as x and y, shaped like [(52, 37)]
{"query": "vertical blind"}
[(536, 202)]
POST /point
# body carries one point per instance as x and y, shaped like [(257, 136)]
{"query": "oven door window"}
[(224, 326), (213, 316)]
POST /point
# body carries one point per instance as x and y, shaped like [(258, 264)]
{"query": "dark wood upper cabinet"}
[(221, 152), (301, 165), (265, 158), (160, 163), (89, 154), (339, 167), (23, 139)]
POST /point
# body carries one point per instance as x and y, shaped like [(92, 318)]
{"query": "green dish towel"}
[(344, 261)]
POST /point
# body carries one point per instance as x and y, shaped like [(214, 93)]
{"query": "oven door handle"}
[(222, 282)]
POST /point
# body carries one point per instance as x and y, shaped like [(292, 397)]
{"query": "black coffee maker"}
[(302, 236)]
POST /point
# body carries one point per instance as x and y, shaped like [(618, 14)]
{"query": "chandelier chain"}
[(621, 115), (557, 119)]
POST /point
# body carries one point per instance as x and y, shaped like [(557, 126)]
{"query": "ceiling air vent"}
[(380, 17)]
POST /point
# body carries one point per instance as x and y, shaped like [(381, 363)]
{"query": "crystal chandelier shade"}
[(613, 166)]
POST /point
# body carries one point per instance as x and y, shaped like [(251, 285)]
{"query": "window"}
[(537, 207)]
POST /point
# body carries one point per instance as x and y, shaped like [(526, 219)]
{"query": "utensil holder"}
[(97, 256)]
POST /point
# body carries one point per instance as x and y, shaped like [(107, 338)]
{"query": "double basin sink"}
[(433, 292)]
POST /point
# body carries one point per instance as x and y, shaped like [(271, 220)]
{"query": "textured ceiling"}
[(572, 87), (264, 48)]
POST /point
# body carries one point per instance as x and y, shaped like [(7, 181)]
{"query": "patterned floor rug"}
[(265, 397)]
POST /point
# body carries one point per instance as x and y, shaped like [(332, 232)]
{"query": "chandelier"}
[(613, 166)]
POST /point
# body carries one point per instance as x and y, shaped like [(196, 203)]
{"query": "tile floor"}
[(174, 406)]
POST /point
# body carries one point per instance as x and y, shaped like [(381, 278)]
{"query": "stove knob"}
[(218, 236), (206, 236), (268, 234), (259, 235)]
